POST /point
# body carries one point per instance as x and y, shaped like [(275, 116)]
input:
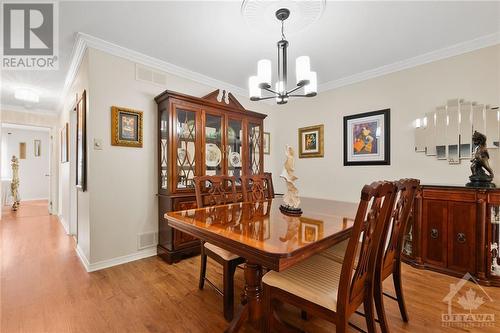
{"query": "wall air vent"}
[(147, 239), (147, 74)]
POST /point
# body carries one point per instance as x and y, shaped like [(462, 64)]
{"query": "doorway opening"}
[(32, 146)]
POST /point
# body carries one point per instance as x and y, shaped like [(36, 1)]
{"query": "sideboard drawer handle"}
[(461, 237), (434, 233)]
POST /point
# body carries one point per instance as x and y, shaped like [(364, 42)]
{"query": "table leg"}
[(251, 308)]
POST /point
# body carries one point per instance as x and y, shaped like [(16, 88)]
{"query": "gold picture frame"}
[(311, 141), (126, 127), (37, 148), (267, 143)]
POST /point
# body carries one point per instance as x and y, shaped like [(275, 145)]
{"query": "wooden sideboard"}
[(454, 230), (200, 136)]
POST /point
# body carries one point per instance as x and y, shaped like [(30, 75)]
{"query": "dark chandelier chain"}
[(283, 30)]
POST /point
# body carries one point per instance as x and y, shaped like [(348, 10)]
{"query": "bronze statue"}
[(480, 163)]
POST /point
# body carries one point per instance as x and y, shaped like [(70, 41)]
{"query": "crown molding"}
[(85, 41), (35, 111), (447, 52)]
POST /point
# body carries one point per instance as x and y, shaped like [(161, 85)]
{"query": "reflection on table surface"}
[(262, 225)]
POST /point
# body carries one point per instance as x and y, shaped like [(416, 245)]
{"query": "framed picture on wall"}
[(22, 150), (37, 147), (81, 142), (311, 141), (126, 127), (367, 138), (267, 143), (64, 143)]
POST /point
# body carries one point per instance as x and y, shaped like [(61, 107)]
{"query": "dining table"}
[(266, 238)]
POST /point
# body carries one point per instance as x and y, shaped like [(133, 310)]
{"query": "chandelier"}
[(262, 81)]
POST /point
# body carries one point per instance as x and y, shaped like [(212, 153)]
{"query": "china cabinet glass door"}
[(213, 145), (164, 150), (254, 151), (186, 148), (234, 140)]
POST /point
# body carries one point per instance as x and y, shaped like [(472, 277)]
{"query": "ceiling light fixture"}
[(262, 81), (26, 95)]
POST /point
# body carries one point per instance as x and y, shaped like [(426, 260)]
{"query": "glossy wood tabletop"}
[(260, 231)]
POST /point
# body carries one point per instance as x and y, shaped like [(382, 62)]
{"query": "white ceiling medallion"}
[(260, 14)]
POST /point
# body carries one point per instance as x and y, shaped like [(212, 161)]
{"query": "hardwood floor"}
[(44, 288)]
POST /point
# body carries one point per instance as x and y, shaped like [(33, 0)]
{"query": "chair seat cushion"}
[(226, 255), (337, 252), (315, 279)]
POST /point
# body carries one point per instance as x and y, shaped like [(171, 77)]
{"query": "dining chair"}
[(214, 191), (329, 289), (389, 260), (389, 256), (257, 187)]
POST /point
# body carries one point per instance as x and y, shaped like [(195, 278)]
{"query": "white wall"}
[(409, 94), (34, 184)]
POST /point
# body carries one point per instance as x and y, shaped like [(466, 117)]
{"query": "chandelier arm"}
[(264, 98), (294, 89), (296, 95), (270, 90)]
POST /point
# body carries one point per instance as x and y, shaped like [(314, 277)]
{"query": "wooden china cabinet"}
[(455, 230), (200, 136)]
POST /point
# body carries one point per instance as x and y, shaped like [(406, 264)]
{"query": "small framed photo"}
[(267, 143), (367, 138), (37, 144), (311, 141), (126, 127)]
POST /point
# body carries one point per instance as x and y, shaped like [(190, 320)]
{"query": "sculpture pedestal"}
[(287, 210), (480, 181)]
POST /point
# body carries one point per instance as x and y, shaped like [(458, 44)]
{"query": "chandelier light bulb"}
[(264, 73), (311, 89), (253, 87), (302, 69)]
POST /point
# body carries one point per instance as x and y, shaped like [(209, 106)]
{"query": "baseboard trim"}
[(92, 267), (64, 224), (83, 258)]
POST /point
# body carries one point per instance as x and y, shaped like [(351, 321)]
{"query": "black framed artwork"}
[(367, 138), (81, 143)]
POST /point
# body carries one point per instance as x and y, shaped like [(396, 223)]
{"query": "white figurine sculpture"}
[(291, 198), (14, 186)]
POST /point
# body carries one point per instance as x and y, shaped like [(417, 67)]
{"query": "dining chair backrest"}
[(393, 234), (373, 212), (215, 190), (257, 187), (271, 186)]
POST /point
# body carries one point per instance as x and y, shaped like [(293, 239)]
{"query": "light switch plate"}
[(97, 144)]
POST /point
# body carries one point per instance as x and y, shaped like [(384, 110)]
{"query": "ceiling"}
[(212, 38)]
